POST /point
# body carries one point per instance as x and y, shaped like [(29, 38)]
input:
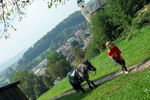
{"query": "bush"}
[(142, 19), (91, 51)]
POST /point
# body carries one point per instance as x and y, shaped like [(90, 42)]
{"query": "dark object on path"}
[(75, 81), (12, 92), (80, 74)]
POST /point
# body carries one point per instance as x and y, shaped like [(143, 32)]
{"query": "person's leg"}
[(122, 63), (124, 68)]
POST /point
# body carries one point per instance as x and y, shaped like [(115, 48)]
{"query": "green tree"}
[(75, 44), (31, 85), (27, 82), (57, 65), (101, 29), (39, 87), (78, 54), (91, 51), (48, 81), (130, 7)]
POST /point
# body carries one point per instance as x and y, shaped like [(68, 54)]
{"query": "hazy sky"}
[(38, 22)]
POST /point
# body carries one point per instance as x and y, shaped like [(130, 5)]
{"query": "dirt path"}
[(139, 67)]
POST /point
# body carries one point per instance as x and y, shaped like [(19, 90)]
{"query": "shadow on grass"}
[(76, 96)]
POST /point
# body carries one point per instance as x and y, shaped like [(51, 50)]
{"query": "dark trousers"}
[(122, 63)]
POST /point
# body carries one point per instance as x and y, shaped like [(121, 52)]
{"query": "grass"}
[(134, 51), (134, 86)]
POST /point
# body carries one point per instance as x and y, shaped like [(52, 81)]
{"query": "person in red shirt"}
[(115, 54)]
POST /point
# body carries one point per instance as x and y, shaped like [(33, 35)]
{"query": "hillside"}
[(138, 53), (11, 61), (51, 41)]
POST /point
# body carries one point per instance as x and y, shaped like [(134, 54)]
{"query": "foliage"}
[(11, 9), (142, 18), (78, 53), (31, 85), (48, 82), (75, 44), (101, 30), (91, 51), (57, 65), (39, 86), (130, 7), (27, 85), (56, 3)]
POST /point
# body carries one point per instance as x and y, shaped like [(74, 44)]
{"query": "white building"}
[(89, 8)]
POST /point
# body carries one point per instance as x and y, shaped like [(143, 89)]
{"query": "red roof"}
[(77, 32)]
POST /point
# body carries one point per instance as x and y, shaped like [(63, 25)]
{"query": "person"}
[(115, 54)]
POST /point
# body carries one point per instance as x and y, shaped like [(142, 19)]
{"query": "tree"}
[(27, 82), (75, 44), (91, 51), (57, 65), (39, 87), (31, 85), (130, 7), (48, 81), (78, 54)]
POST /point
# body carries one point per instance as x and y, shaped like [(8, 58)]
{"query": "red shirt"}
[(114, 53)]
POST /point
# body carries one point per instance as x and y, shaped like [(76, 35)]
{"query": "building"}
[(90, 8), (12, 92), (39, 70), (78, 33)]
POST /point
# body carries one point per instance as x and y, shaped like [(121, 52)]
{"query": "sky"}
[(39, 20)]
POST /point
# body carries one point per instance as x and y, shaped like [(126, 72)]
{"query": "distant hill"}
[(11, 61), (51, 41)]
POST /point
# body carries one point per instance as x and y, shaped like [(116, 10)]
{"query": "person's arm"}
[(108, 54)]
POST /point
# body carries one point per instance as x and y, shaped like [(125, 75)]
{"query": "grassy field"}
[(134, 51), (134, 86)]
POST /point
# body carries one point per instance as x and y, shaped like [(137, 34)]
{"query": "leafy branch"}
[(9, 11)]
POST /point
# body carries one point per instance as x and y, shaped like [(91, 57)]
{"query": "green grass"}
[(133, 86), (133, 51)]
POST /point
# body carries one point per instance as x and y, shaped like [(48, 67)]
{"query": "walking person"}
[(115, 54)]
